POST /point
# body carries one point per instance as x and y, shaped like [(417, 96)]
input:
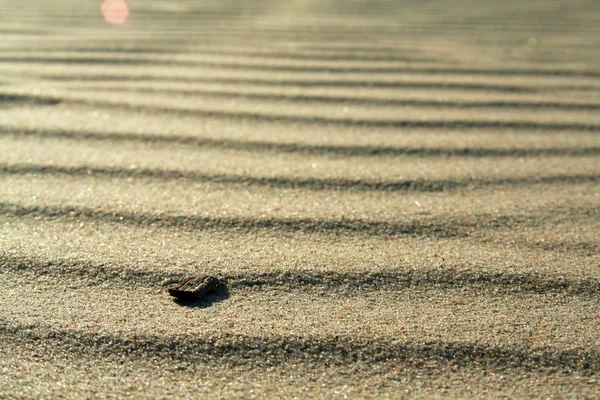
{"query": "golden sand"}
[(402, 197)]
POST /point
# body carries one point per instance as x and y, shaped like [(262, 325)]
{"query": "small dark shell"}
[(195, 288)]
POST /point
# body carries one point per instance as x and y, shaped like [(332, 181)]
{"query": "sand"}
[(403, 198)]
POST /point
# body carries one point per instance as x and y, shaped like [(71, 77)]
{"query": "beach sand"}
[(403, 199)]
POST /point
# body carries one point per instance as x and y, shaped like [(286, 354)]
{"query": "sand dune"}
[(402, 198)]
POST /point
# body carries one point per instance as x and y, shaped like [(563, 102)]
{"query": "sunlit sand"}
[(365, 199)]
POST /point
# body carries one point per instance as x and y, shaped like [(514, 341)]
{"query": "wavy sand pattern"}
[(402, 196)]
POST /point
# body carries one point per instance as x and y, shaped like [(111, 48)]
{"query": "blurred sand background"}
[(404, 197)]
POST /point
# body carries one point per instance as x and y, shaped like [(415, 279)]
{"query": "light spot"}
[(115, 12), (532, 41)]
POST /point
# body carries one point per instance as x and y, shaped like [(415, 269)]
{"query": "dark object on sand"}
[(195, 288)]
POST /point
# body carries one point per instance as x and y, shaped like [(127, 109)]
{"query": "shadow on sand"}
[(219, 294)]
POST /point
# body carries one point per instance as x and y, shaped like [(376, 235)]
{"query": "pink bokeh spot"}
[(115, 12)]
